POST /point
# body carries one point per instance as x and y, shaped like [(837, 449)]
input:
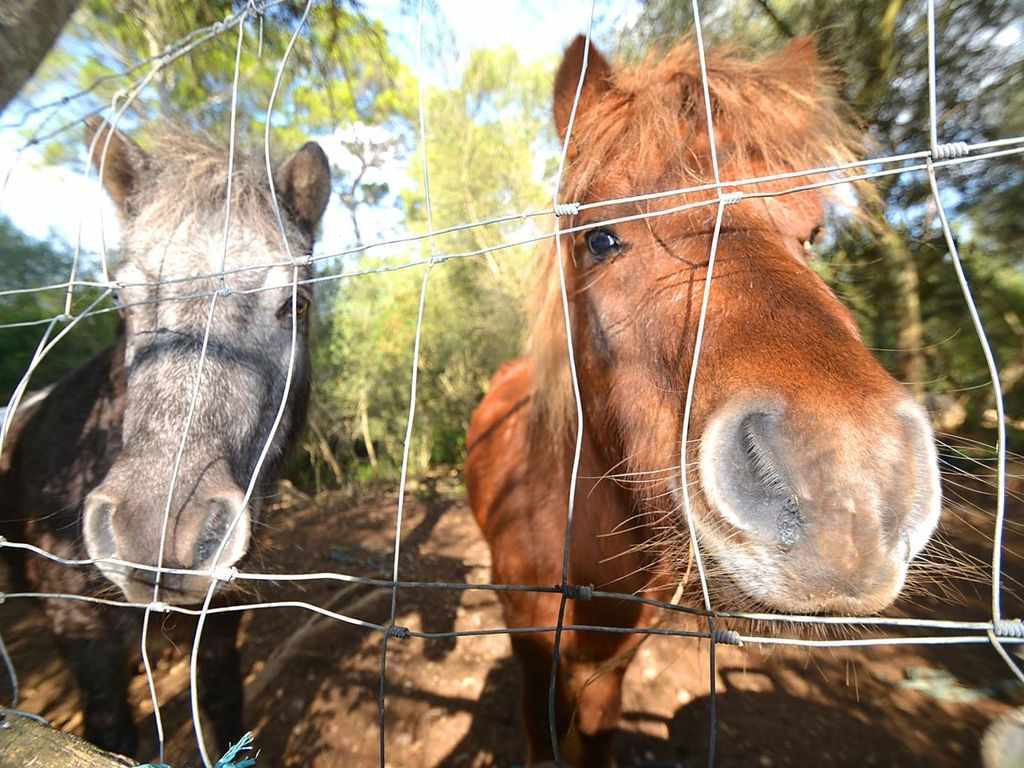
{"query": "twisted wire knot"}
[(951, 151), (727, 636), (224, 291), (226, 573), (159, 606), (578, 591), (1008, 628), (402, 633), (567, 209), (729, 198), (63, 317)]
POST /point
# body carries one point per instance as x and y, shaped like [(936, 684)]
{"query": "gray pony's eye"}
[(301, 306)]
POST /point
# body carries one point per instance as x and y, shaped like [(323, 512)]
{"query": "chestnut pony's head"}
[(812, 473)]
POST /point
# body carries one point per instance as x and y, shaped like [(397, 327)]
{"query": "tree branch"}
[(777, 20)]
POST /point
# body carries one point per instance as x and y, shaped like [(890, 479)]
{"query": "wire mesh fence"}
[(719, 194)]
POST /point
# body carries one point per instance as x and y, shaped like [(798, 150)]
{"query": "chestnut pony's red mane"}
[(645, 132)]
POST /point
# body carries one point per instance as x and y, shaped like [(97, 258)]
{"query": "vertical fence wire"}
[(42, 351), (22, 386), (723, 199), (77, 256), (577, 399), (193, 399), (44, 348), (391, 629), (217, 577), (939, 151), (116, 114), (12, 673)]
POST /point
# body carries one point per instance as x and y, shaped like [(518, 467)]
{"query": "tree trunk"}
[(26, 742), (364, 426), (28, 30), (913, 368), (326, 454)]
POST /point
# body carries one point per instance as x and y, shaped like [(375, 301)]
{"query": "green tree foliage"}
[(484, 138), (28, 264), (340, 70)]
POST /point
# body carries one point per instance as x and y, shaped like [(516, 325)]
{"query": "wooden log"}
[(26, 742)]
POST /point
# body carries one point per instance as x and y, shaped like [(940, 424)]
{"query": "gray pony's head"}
[(173, 203)]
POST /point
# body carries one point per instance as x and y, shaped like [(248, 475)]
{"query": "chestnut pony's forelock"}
[(647, 133)]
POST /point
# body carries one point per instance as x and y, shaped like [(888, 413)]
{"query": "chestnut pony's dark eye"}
[(603, 243)]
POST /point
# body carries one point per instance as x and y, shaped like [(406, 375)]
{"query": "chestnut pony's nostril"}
[(790, 523), (750, 479), (98, 525), (917, 524)]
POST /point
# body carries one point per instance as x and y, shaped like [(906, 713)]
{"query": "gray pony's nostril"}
[(99, 526), (171, 581), (220, 516)]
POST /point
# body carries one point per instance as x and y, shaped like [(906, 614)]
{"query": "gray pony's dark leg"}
[(100, 667), (221, 695)]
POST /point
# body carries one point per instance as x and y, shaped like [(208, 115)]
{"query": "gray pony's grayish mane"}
[(184, 190)]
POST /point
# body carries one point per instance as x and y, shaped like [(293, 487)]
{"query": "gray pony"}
[(88, 467)]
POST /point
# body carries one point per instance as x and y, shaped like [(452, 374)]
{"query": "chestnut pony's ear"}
[(798, 64), (303, 184), (123, 162), (595, 83), (802, 51)]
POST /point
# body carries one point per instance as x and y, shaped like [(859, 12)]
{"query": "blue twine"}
[(228, 761), (244, 745)]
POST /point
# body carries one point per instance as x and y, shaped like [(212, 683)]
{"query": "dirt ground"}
[(312, 683)]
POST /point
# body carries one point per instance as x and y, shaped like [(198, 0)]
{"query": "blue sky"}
[(44, 200)]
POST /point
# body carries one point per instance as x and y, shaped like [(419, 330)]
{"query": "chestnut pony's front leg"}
[(588, 693)]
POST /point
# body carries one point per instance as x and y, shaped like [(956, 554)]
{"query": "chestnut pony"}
[(812, 474)]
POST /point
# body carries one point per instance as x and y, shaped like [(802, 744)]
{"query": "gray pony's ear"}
[(124, 160), (303, 184)]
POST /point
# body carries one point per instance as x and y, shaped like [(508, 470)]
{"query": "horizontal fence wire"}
[(989, 150), (444, 257), (998, 631)]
